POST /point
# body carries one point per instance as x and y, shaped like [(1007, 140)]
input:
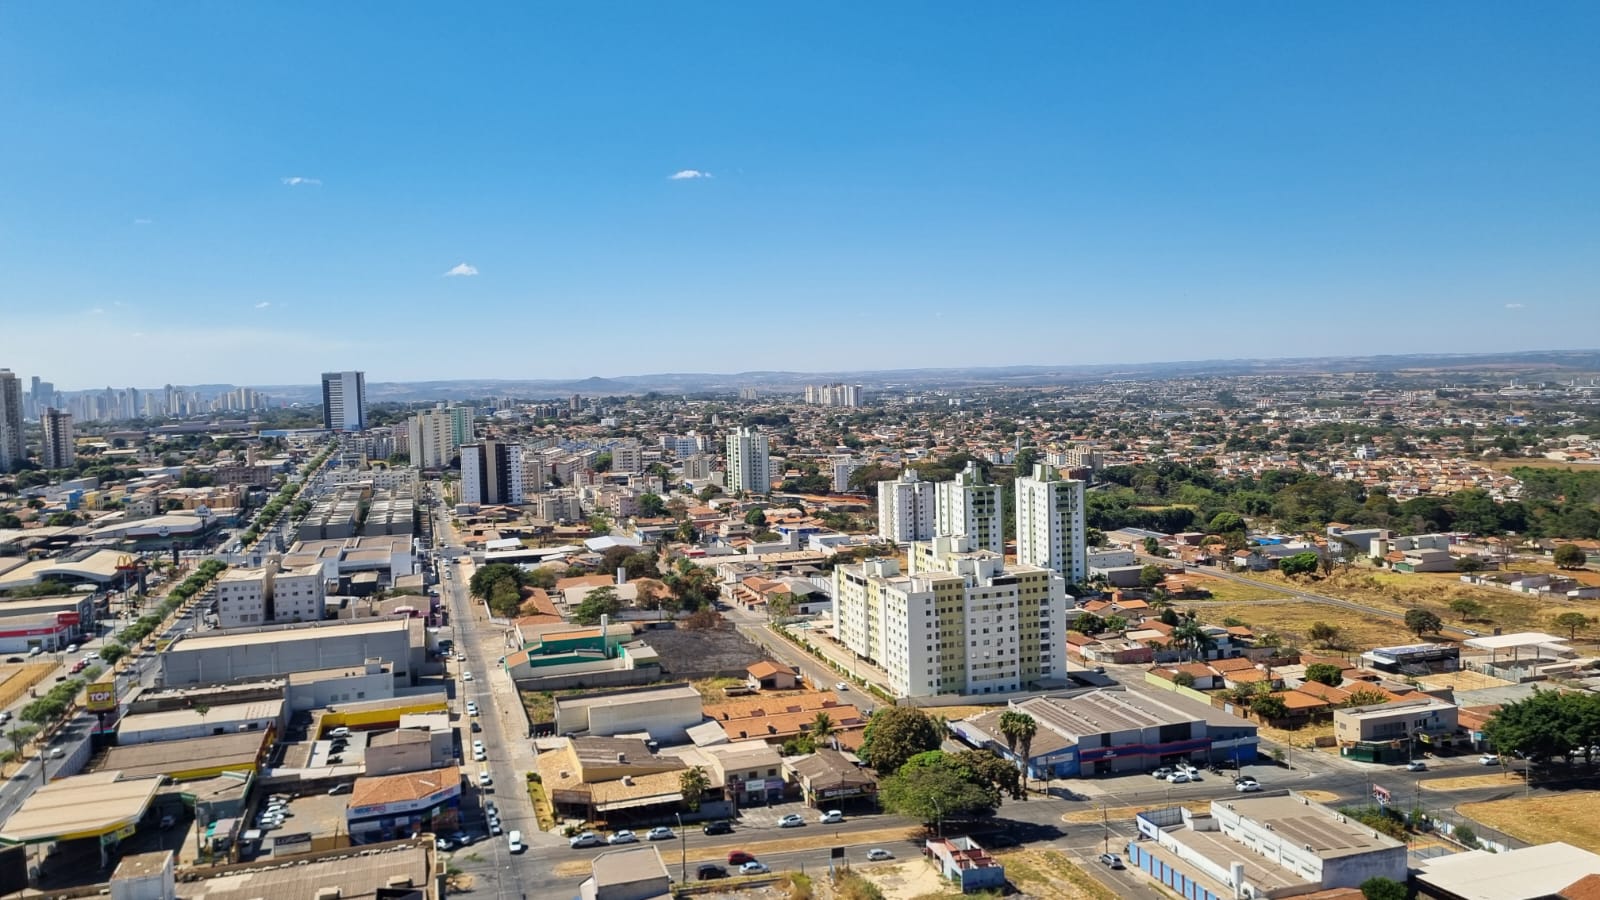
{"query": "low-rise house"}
[(964, 863), (769, 676), (829, 778), (1389, 731)]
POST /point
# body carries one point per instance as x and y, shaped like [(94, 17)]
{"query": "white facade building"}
[(344, 401), (749, 462), (432, 438), (1050, 529), (492, 473), (270, 595), (905, 508), (627, 457), (970, 506), (959, 622), (843, 467)]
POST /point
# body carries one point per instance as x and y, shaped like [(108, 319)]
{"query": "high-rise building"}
[(905, 508), (430, 439), (460, 423), (836, 394), (492, 473), (60, 451), (270, 594), (627, 457), (12, 452), (749, 462), (843, 466), (958, 622), (1050, 529), (970, 506), (344, 401)]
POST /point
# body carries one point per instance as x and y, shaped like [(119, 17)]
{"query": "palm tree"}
[(821, 728), (693, 784), (1018, 728), (1192, 638)]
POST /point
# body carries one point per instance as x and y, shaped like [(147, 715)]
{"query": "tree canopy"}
[(934, 785), (894, 734), (1421, 621)]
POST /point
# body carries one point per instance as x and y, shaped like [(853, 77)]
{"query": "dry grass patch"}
[(1463, 680), (1497, 778), (1052, 874), (1539, 820), (1223, 590), (1293, 621), (1095, 815)]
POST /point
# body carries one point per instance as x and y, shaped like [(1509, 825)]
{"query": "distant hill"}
[(1551, 364)]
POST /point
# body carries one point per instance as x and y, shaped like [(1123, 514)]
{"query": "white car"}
[(1178, 778), (1488, 759), (660, 833), (754, 867), (466, 676), (622, 837), (587, 839), (831, 817), (1247, 787), (842, 686), (514, 841), (472, 708), (877, 853), (791, 821)]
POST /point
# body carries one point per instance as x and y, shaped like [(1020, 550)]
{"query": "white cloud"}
[(461, 269), (263, 304), (1515, 305), (297, 180), (688, 174)]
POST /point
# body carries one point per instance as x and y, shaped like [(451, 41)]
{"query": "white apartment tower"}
[(269, 595), (905, 508), (1050, 530), (627, 457), (344, 401), (749, 462), (12, 452), (958, 622), (970, 506), (60, 450), (492, 473)]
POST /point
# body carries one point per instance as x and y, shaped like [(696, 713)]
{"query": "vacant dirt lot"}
[(1292, 621), (1567, 817)]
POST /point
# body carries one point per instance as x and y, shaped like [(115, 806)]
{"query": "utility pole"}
[(1105, 821), (683, 851)]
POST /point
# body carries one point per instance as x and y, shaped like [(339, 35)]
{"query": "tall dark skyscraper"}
[(344, 401), (12, 452)]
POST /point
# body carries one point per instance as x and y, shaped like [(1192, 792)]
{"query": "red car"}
[(739, 858)]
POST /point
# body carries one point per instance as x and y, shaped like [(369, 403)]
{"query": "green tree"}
[(937, 787), (1420, 622), (1572, 621), (1380, 888), (894, 734), (1325, 673), (1019, 729), (1467, 608), (988, 768), (601, 601), (821, 727), (1152, 547), (652, 506), (1183, 679), (1365, 696), (756, 518), (1150, 576), (1323, 634), (693, 784), (1571, 556), (1269, 706), (20, 736), (113, 651), (1299, 564), (1225, 522), (544, 578)]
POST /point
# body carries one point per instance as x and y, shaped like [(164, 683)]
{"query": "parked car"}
[(344, 788), (339, 732), (586, 839), (1488, 759), (1111, 860), (514, 841), (754, 867), (720, 826), (1416, 765), (466, 676), (877, 853), (1178, 778), (1162, 773), (739, 857), (791, 821), (472, 708), (709, 871), (494, 826), (831, 817), (660, 833), (622, 837)]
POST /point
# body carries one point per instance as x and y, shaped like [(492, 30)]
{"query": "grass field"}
[(1293, 620), (1506, 465), (1539, 820), (1050, 873), (1224, 590)]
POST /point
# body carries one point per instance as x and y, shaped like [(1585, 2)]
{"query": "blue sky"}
[(884, 185)]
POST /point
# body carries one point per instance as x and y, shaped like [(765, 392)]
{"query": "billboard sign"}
[(68, 618), (102, 696)]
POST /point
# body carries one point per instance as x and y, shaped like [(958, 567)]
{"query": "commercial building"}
[(665, 713), (749, 467), (749, 771), (270, 595), (828, 778), (276, 651), (344, 401), (409, 870), (103, 805), (1541, 872), (629, 873), (1390, 731), (386, 807), (960, 622), (260, 715), (60, 450), (1050, 529), (969, 506), (1262, 845), (1102, 732), (492, 473), (12, 451), (905, 508)]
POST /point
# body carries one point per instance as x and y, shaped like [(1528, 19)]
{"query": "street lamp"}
[(683, 850)]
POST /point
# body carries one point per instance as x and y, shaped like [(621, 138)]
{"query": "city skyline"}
[(378, 194)]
